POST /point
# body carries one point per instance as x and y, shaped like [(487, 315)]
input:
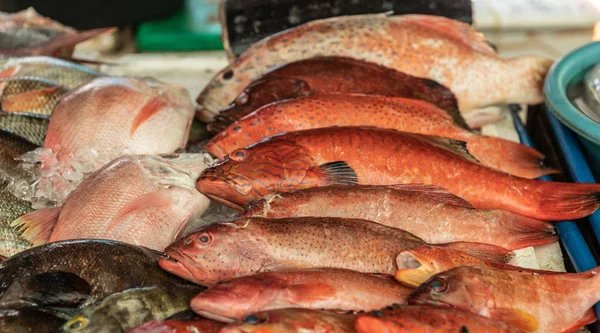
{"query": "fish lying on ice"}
[(246, 246), (141, 200), (449, 52), (332, 74), (403, 114), (333, 289), (139, 116), (374, 156)]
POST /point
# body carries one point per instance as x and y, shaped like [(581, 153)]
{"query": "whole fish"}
[(415, 266), (428, 212), (246, 246), (131, 308), (293, 321), (100, 263), (26, 32), (30, 128), (29, 96), (139, 116), (334, 289), (28, 320), (327, 75), (530, 302), (426, 319), (179, 326), (64, 73), (141, 200), (368, 155), (449, 52), (403, 114)]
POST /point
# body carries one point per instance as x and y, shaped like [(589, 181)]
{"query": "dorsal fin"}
[(457, 146), (434, 192)]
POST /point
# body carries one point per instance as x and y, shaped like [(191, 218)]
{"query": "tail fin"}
[(37, 226), (508, 156), (482, 251), (524, 231), (527, 76), (71, 40), (567, 201)]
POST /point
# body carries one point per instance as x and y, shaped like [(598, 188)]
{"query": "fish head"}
[(220, 91), (215, 253), (292, 321), (462, 288), (235, 299), (250, 173), (96, 322)]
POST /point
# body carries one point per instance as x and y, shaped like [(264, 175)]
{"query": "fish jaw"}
[(222, 191), (175, 263), (413, 270)]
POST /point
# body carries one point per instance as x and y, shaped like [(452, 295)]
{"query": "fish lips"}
[(174, 263)]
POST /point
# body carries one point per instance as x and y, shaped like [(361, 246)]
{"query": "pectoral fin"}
[(516, 318)]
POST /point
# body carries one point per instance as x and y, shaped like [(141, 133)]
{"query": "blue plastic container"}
[(566, 71)]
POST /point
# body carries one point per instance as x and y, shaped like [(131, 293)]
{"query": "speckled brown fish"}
[(30, 128), (530, 302), (403, 114), (427, 319), (332, 74), (333, 289), (374, 156), (449, 52), (246, 246), (293, 320), (28, 320), (29, 96), (178, 326), (428, 212)]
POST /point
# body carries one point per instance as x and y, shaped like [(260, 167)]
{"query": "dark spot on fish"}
[(228, 75), (464, 329), (378, 314), (430, 83), (389, 308), (237, 128), (252, 319)]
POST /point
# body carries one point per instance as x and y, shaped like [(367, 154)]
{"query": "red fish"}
[(426, 319), (449, 52), (333, 74), (247, 246), (403, 114), (428, 212), (367, 155), (334, 289), (178, 326), (530, 302)]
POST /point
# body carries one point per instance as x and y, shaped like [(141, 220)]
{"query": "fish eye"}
[(237, 128), (438, 285), (76, 324), (238, 155), (253, 319), (228, 75), (205, 239)]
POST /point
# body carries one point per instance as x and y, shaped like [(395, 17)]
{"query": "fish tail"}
[(508, 156), (526, 76), (71, 40), (482, 251), (37, 226), (524, 231), (567, 201)]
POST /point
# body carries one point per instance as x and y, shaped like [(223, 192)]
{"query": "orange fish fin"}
[(8, 72), (153, 200), (526, 231), (434, 192), (37, 226), (339, 173), (30, 100), (457, 146), (588, 318), (310, 292), (508, 156), (483, 251), (518, 319), (567, 201), (154, 105)]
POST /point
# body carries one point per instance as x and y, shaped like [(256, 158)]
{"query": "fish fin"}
[(508, 156), (37, 226), (434, 192), (8, 72), (70, 40), (339, 173), (153, 106), (567, 201), (457, 146), (30, 100), (480, 250), (588, 318), (525, 231), (153, 200), (284, 265), (58, 288), (309, 292), (518, 319)]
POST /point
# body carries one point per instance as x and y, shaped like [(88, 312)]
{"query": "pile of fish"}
[(363, 200)]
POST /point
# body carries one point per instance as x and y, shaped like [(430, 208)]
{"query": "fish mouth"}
[(413, 270), (214, 316), (173, 261), (225, 202)]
